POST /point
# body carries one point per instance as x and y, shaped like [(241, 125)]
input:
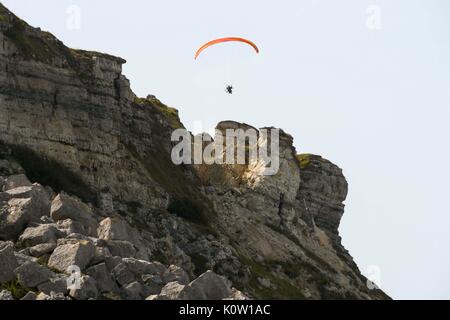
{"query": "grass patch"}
[(110, 296), (170, 114), (43, 260), (17, 290), (316, 277), (283, 290), (304, 160), (4, 18)]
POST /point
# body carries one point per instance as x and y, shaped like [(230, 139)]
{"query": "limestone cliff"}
[(105, 194)]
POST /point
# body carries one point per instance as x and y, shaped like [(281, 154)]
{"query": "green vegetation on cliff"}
[(304, 160), (168, 113)]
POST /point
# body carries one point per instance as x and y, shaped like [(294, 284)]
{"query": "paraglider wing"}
[(213, 42)]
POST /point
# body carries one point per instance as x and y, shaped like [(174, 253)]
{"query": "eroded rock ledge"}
[(86, 179)]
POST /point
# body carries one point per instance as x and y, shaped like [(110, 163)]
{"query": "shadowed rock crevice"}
[(48, 172)]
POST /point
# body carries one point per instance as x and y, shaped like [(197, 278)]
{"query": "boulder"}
[(75, 237), (30, 296), (25, 192), (237, 295), (51, 296), (22, 257), (14, 217), (6, 295), (21, 207), (122, 249), (112, 262), (175, 273), (8, 263), (42, 249), (101, 255), (16, 181), (42, 297), (57, 296), (157, 297), (130, 270), (134, 291), (123, 274), (154, 283), (98, 242), (115, 229), (208, 286), (172, 290), (66, 207), (44, 233), (32, 274), (10, 167), (87, 289), (141, 267), (69, 226), (72, 254), (56, 284), (102, 276)]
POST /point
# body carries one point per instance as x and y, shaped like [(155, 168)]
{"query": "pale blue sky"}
[(374, 102)]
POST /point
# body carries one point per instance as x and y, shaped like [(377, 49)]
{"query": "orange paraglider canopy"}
[(213, 42)]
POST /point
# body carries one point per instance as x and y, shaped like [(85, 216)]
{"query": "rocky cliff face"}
[(87, 180)]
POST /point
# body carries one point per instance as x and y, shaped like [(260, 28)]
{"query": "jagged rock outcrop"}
[(86, 180), (100, 273)]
